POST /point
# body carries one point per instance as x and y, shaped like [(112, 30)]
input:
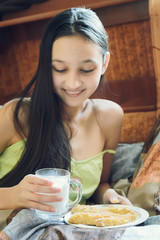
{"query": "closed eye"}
[(59, 70), (87, 71)]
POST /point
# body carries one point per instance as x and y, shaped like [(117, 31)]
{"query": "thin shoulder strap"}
[(109, 151)]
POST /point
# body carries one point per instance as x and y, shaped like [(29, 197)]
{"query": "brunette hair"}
[(47, 144)]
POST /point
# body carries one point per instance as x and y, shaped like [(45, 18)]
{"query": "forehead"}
[(75, 46)]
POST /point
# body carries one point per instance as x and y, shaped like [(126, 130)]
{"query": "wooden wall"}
[(130, 75)]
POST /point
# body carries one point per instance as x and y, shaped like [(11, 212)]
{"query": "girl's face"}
[(77, 66)]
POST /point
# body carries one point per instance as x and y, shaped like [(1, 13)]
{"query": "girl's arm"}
[(24, 194)]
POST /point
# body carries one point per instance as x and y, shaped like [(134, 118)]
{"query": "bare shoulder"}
[(7, 110), (108, 109), (110, 117), (7, 128), (6, 124)]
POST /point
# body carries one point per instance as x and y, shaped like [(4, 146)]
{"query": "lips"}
[(73, 93)]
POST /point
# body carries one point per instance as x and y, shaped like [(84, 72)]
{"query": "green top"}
[(10, 156), (88, 171)]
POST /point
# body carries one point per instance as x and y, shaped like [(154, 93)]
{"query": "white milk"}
[(63, 184), (61, 207), (61, 179)]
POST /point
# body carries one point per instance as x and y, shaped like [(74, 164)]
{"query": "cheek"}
[(55, 81), (97, 77), (93, 82)]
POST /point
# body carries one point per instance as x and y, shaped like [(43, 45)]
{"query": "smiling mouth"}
[(73, 93)]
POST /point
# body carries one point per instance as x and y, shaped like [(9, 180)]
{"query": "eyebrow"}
[(85, 61), (56, 60)]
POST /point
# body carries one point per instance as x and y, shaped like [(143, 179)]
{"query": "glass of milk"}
[(61, 179)]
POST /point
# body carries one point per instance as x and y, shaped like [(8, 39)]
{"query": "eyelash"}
[(81, 70), (60, 71), (87, 71)]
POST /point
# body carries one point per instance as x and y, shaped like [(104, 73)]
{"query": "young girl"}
[(60, 126)]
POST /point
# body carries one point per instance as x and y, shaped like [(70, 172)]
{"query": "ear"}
[(105, 65)]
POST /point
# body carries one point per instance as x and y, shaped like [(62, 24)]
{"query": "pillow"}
[(151, 140), (146, 180), (125, 161)]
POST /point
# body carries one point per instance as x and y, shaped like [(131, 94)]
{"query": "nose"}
[(73, 80)]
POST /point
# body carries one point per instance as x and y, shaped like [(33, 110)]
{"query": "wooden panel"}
[(137, 126), (50, 8), (124, 13), (130, 75), (19, 48)]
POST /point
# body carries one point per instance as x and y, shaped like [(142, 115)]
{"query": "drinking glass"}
[(61, 179)]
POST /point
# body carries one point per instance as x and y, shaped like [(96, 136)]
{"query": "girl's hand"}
[(113, 197), (30, 193)]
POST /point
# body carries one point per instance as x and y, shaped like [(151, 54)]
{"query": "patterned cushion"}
[(151, 140), (146, 181)]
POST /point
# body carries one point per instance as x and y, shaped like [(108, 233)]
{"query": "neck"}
[(74, 113)]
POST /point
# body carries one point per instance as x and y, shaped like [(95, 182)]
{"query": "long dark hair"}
[(47, 144)]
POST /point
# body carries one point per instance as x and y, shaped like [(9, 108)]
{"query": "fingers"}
[(44, 189), (36, 192), (44, 198), (113, 197), (39, 201), (41, 185), (124, 201), (41, 206), (28, 199), (34, 179)]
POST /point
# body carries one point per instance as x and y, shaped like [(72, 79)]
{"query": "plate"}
[(142, 217)]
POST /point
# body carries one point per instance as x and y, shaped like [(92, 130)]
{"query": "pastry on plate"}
[(101, 216)]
